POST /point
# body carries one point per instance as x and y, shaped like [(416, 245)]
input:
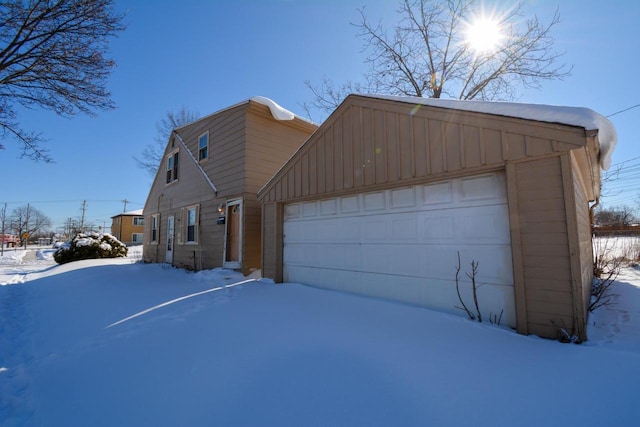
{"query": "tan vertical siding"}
[(246, 147), (251, 234), (546, 263), (272, 241), (269, 144), (405, 149), (268, 239), (580, 240), (368, 148), (371, 144)]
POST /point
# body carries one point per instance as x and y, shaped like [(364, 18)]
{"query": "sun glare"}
[(483, 34)]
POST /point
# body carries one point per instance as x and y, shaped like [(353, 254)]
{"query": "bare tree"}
[(621, 216), (151, 155), (27, 220), (52, 56), (429, 53)]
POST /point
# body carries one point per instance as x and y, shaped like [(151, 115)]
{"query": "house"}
[(386, 195), (9, 241), (202, 210), (128, 227)]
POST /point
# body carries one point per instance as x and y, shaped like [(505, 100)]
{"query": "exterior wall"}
[(272, 241), (246, 147), (581, 220), (122, 228), (539, 223), (371, 144), (268, 146), (224, 166)]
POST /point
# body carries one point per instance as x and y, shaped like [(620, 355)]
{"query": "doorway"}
[(233, 234), (170, 235)]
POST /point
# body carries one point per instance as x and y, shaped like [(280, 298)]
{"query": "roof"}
[(278, 112), (572, 116), (137, 212)]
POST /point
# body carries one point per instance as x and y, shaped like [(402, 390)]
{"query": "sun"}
[(484, 34)]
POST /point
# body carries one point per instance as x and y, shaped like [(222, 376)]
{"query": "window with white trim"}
[(172, 167), (136, 238), (138, 220), (203, 146), (155, 221), (192, 225)]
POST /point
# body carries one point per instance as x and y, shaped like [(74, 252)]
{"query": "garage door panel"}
[(403, 243), (437, 227), (437, 195), (291, 211), (350, 204), (349, 229), (375, 258), (487, 224), (484, 187), (328, 207), (404, 227), (494, 263), (403, 198), (344, 256), (298, 254), (374, 229), (374, 202)]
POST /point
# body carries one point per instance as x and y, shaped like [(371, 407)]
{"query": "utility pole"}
[(3, 216), (124, 209), (84, 209), (26, 226)]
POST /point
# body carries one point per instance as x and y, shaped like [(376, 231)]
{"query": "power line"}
[(74, 201), (622, 111)]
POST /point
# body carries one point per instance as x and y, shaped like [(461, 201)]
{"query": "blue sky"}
[(207, 55)]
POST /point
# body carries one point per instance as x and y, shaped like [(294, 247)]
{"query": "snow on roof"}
[(277, 111), (573, 116), (136, 212)]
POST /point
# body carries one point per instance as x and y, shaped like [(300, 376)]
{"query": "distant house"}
[(388, 192), (9, 240), (128, 227), (202, 210)]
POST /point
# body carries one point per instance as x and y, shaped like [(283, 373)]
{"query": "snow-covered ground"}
[(120, 343)]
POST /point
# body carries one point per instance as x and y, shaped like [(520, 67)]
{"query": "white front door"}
[(170, 236), (402, 243), (233, 235)]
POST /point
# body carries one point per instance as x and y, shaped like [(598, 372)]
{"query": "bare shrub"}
[(609, 255), (473, 315)]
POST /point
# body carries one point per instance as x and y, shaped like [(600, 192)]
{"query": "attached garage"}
[(386, 195)]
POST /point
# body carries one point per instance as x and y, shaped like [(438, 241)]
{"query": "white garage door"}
[(403, 243)]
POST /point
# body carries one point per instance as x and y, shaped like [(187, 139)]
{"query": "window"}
[(136, 238), (192, 224), (172, 167), (138, 220), (154, 228), (203, 147)]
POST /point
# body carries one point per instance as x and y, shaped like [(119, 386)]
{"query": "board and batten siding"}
[(545, 239), (369, 143), (581, 220)]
